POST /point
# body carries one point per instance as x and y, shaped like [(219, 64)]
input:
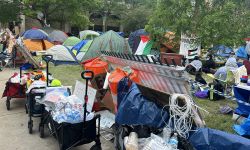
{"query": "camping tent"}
[(241, 53), (134, 39), (58, 36), (81, 48), (222, 50), (109, 41), (48, 30), (145, 46), (35, 34), (37, 45), (88, 34), (71, 41), (61, 55)]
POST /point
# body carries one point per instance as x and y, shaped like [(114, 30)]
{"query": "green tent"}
[(109, 41), (71, 41)]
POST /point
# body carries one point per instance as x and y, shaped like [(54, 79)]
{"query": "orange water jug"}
[(97, 66)]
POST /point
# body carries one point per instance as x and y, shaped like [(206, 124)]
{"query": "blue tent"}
[(35, 34), (222, 50), (121, 33), (134, 39), (241, 52)]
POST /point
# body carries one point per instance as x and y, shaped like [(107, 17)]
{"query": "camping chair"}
[(228, 82)]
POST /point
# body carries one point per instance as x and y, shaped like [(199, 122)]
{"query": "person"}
[(194, 66), (248, 48), (199, 78), (246, 63), (231, 65), (209, 65)]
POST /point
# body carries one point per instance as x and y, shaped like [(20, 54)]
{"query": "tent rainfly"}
[(109, 41), (88, 35), (81, 48), (62, 55)]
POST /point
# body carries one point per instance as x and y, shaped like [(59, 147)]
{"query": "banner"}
[(190, 47)]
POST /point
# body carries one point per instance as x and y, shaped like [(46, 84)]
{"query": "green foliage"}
[(137, 15), (9, 11), (74, 11), (220, 22)]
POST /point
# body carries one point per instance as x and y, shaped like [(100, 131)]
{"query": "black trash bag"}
[(119, 133)]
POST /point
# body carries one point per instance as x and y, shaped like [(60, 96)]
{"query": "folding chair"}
[(229, 81)]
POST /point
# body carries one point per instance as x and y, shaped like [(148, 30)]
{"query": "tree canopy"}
[(74, 11), (9, 11), (215, 22)]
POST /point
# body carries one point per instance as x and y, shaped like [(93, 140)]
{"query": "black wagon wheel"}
[(30, 126), (41, 129), (96, 147), (8, 103)]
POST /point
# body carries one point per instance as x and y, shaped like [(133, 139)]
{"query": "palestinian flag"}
[(192, 53), (145, 46)]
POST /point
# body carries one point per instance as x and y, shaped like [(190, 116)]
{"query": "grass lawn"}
[(67, 74)]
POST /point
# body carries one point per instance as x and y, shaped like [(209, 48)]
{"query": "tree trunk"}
[(104, 23)]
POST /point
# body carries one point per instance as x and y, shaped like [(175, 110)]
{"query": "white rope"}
[(181, 117)]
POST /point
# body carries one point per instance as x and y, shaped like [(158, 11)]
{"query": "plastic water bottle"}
[(166, 133), (174, 141)]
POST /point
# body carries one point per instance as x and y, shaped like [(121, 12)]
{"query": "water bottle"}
[(166, 133), (173, 141)]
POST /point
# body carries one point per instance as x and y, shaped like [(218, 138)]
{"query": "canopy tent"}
[(241, 53), (145, 46), (88, 34), (81, 48), (37, 45), (62, 55), (222, 50), (109, 41), (58, 36), (71, 41), (134, 39), (35, 34)]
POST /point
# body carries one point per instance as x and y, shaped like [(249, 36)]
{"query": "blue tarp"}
[(134, 109), (35, 34), (241, 52), (134, 39), (79, 46), (222, 50), (244, 128), (210, 139)]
